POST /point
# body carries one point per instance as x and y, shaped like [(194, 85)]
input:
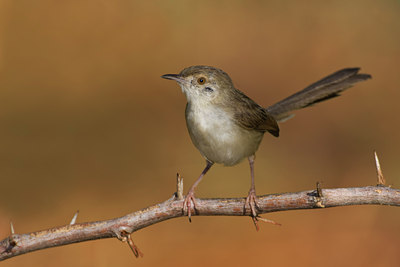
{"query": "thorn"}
[(381, 179), (319, 196), (179, 186), (319, 190), (12, 228), (73, 221)]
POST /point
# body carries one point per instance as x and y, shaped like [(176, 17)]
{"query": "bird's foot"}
[(187, 204), (251, 201)]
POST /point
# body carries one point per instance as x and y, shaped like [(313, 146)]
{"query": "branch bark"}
[(121, 228)]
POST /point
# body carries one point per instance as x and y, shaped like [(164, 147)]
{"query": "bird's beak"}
[(175, 77)]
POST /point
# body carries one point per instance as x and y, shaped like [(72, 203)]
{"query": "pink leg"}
[(190, 195), (251, 199)]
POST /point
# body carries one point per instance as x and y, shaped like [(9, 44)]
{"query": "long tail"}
[(324, 89)]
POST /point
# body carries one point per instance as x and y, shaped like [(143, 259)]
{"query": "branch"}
[(122, 227)]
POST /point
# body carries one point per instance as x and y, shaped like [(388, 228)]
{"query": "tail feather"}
[(324, 89)]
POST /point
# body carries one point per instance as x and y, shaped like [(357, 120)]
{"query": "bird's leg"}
[(251, 199), (190, 195)]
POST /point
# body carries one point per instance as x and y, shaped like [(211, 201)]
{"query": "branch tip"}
[(73, 221), (179, 186), (12, 228), (381, 179)]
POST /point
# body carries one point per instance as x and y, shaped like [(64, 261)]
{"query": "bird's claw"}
[(251, 201), (187, 205)]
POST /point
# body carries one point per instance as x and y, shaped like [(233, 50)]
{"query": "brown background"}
[(86, 123)]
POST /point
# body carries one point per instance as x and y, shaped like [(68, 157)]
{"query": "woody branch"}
[(121, 228)]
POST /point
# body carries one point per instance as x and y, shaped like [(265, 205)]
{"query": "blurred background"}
[(87, 124)]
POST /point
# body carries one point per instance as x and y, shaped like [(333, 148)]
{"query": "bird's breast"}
[(218, 138)]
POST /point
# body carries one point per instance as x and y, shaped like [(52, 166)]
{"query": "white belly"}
[(218, 137)]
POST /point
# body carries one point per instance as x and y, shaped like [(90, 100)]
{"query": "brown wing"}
[(250, 115)]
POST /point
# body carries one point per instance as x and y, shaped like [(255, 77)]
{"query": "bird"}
[(227, 126)]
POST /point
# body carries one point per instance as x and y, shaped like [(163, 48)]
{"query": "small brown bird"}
[(226, 126)]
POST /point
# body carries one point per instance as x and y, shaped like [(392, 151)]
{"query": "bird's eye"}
[(201, 80)]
